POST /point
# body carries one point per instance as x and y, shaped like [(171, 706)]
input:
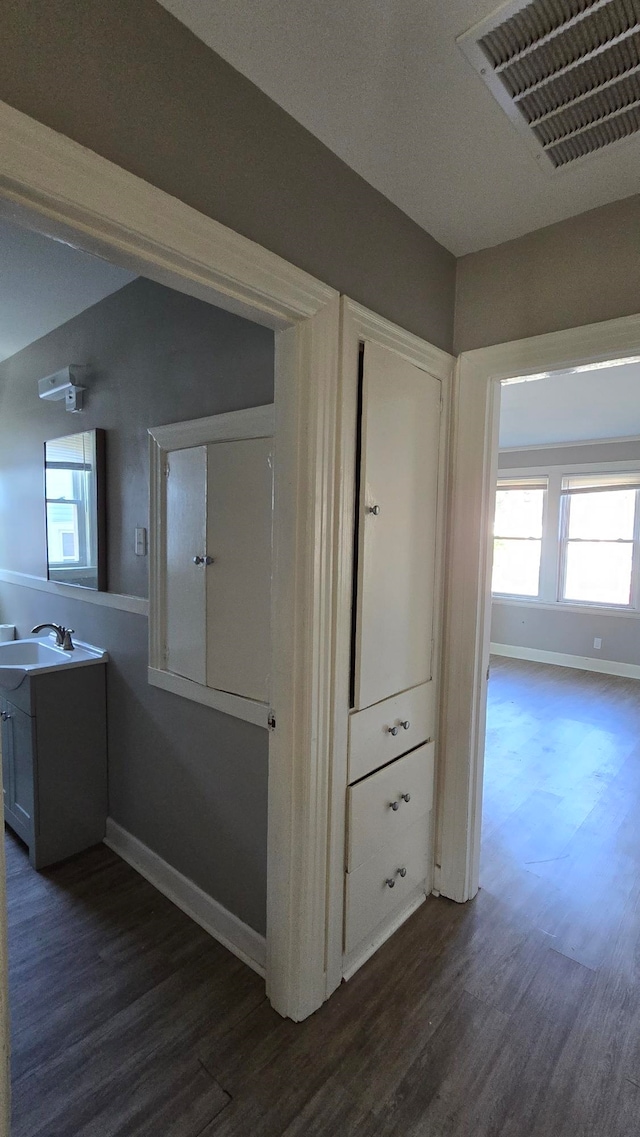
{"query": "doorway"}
[(561, 759)]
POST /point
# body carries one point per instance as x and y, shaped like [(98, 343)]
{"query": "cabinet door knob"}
[(406, 724), (394, 805), (198, 560), (4, 715), (393, 730), (390, 882), (374, 509), (402, 872), (406, 797)]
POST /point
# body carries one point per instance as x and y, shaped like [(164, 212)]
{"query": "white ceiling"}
[(604, 403), (44, 283), (384, 85)]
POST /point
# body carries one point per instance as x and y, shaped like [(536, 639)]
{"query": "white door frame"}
[(53, 185), (474, 456)]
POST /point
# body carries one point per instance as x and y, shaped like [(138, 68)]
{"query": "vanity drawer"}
[(377, 809), (369, 898), (371, 741)]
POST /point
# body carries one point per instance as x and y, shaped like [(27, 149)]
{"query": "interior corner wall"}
[(563, 630), (131, 83), (186, 780), (577, 272)]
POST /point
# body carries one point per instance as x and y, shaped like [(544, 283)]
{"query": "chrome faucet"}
[(63, 635)]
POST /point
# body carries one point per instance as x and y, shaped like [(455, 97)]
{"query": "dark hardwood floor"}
[(517, 1015)]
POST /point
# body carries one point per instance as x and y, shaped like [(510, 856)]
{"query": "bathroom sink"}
[(19, 658)]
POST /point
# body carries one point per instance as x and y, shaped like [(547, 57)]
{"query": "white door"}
[(239, 524), (186, 520), (397, 526)]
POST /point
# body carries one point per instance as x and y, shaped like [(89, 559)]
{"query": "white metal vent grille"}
[(566, 71)]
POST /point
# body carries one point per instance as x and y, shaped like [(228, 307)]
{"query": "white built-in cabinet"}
[(392, 704), (211, 526)]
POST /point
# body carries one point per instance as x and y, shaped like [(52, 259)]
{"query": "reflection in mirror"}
[(74, 486)]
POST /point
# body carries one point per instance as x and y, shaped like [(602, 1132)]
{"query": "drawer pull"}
[(393, 730), (402, 872), (394, 805), (374, 509), (406, 724), (406, 797), (390, 882)]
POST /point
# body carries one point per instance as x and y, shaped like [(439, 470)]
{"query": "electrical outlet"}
[(597, 643)]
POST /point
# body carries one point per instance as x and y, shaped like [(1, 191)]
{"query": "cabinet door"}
[(186, 581), (6, 748), (397, 526), (239, 527), (18, 771), (23, 766)]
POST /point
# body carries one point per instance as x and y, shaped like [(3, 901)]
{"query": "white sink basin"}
[(19, 658)]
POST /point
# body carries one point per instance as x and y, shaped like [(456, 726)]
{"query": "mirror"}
[(74, 490)]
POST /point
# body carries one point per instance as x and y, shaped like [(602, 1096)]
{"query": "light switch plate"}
[(141, 542)]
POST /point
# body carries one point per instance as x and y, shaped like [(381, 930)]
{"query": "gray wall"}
[(577, 272), (187, 781), (127, 80), (562, 630)]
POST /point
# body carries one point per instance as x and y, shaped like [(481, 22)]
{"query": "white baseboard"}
[(247, 944), (558, 659), (354, 960)]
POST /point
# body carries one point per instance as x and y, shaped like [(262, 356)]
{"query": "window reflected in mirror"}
[(74, 488)]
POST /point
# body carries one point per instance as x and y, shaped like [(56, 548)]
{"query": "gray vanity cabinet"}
[(54, 762), (17, 740)]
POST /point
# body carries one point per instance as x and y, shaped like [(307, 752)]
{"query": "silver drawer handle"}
[(402, 872), (394, 805), (203, 560), (374, 509), (393, 730), (390, 882), (406, 797), (406, 724)]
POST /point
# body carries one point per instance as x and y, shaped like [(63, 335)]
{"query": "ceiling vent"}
[(567, 72)]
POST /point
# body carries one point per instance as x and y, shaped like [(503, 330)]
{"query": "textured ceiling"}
[(385, 86), (43, 283)]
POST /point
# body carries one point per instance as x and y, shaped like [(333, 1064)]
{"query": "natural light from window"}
[(517, 541)]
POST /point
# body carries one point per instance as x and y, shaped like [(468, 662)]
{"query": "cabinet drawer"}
[(369, 899), (377, 809), (371, 742)]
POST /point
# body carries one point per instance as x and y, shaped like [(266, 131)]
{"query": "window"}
[(598, 538), (570, 538), (517, 541)]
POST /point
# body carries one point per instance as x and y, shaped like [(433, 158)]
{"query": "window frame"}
[(553, 553), (496, 537)]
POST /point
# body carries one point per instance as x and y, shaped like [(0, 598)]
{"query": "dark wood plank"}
[(517, 1015)]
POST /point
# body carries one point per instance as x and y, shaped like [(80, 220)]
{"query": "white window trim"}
[(543, 532), (254, 422), (549, 595)]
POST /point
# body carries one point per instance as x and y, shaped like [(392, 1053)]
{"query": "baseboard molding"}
[(247, 944), (135, 604), (558, 659), (355, 959)]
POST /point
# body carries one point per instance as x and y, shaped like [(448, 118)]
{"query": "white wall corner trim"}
[(245, 943), (559, 659), (138, 605)]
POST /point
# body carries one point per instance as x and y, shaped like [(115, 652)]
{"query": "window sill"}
[(558, 606)]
